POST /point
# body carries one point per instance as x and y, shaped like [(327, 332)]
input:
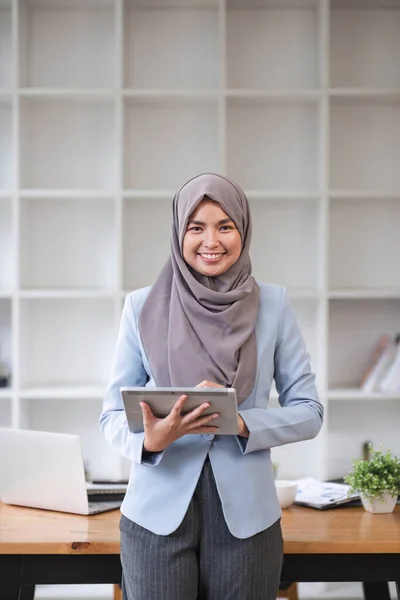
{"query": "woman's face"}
[(211, 243)]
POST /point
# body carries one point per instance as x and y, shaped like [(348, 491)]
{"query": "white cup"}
[(286, 492)]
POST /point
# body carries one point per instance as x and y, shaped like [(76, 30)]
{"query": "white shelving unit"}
[(107, 106)]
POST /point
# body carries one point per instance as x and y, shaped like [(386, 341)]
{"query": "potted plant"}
[(377, 480)]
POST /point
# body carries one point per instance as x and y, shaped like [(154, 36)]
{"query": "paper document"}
[(322, 494)]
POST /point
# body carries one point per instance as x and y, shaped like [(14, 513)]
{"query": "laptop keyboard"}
[(97, 498)]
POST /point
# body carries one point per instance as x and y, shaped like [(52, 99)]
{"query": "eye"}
[(227, 228), (194, 228)]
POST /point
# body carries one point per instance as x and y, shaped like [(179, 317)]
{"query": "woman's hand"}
[(243, 431), (160, 433)]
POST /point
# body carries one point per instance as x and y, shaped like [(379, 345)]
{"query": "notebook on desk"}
[(324, 494), (46, 470)]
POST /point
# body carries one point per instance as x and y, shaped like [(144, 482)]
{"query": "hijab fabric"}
[(194, 327)]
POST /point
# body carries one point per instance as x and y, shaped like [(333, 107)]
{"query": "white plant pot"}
[(384, 504)]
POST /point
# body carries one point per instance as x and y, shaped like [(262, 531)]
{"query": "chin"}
[(213, 272)]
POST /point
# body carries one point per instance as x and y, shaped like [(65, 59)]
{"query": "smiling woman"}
[(201, 517)]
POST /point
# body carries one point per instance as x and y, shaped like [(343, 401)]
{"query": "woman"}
[(201, 517)]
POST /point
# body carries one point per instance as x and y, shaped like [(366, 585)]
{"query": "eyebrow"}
[(223, 222)]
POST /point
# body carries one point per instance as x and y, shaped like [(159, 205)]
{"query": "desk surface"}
[(305, 531)]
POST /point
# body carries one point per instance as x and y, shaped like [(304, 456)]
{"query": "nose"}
[(210, 239)]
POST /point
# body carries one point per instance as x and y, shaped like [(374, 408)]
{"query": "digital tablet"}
[(161, 400)]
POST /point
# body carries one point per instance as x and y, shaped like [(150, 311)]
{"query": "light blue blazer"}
[(161, 485)]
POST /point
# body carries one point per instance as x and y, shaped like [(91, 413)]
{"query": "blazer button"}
[(208, 436)]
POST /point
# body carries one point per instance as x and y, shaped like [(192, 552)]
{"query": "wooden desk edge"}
[(62, 548), (290, 547)]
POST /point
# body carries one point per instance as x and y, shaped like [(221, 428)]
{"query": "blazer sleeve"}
[(127, 370), (301, 415)]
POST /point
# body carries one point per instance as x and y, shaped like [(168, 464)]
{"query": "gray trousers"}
[(201, 559)]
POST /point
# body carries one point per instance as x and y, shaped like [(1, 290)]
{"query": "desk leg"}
[(10, 590), (376, 590), (27, 592), (13, 591), (10, 578), (398, 589)]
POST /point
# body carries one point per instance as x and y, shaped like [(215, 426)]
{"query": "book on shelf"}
[(382, 373)]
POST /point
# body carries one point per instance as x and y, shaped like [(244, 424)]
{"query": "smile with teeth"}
[(211, 257)]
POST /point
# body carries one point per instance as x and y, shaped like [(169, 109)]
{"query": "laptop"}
[(45, 470)]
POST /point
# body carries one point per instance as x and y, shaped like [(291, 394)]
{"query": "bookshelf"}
[(107, 106)]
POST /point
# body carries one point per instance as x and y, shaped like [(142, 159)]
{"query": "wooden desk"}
[(343, 544)]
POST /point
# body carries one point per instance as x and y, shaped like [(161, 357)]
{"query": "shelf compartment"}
[(264, 31), (167, 142), (354, 328), (7, 267), (365, 47), (364, 245), (284, 133), (47, 56), (146, 240), (68, 244), (6, 343), (182, 54), (5, 44), (365, 144), (75, 417), (5, 143), (348, 432), (66, 342), (67, 143), (273, 259)]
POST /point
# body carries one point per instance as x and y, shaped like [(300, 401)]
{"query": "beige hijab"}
[(195, 327)]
